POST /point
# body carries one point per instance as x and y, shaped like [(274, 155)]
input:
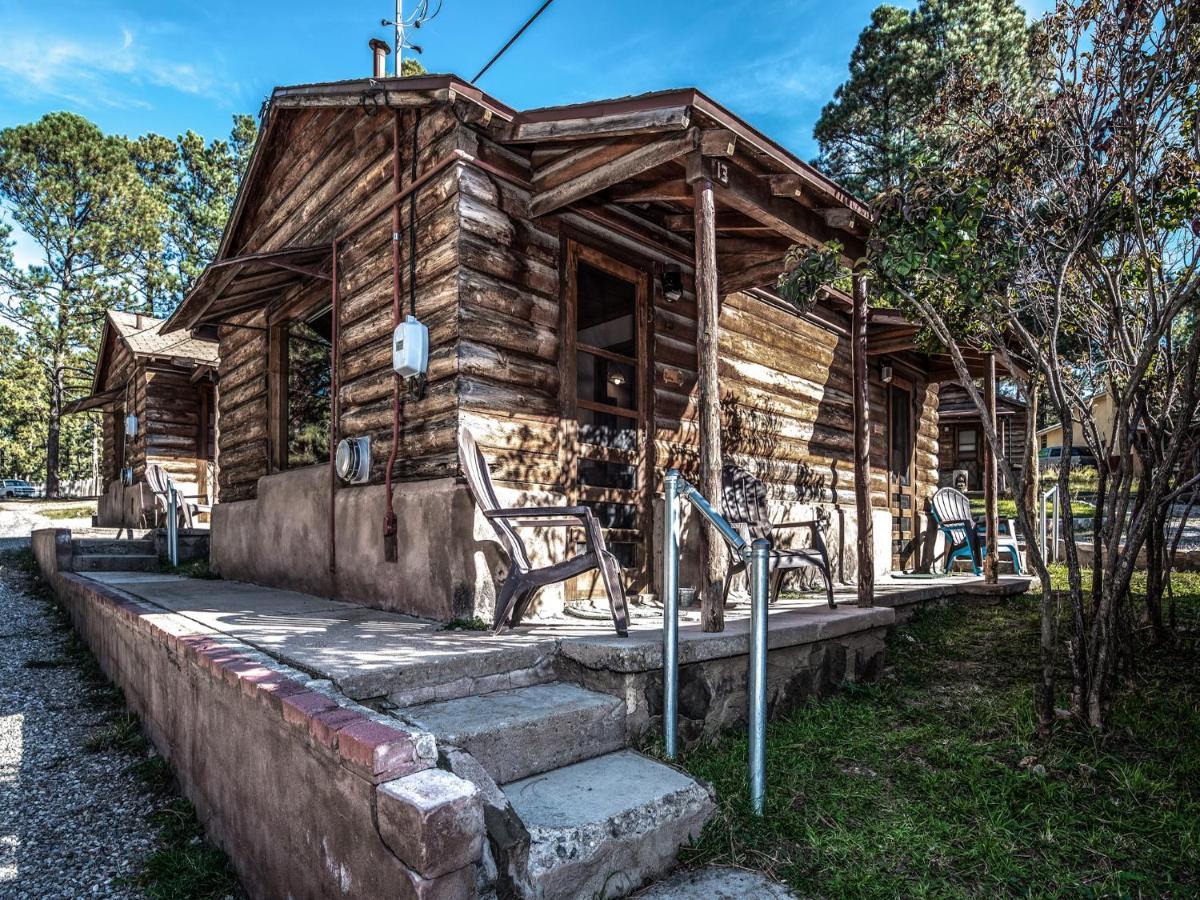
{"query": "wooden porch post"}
[(712, 615), (990, 562), (862, 445)]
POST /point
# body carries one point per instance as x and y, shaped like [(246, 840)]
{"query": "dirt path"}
[(73, 822)]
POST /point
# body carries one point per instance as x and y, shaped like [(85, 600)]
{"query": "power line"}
[(512, 40)]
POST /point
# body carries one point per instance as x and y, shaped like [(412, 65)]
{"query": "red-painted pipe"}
[(389, 518)]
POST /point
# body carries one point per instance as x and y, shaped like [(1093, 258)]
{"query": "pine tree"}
[(871, 131)]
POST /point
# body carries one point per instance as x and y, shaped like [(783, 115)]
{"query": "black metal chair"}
[(744, 504), (524, 578)]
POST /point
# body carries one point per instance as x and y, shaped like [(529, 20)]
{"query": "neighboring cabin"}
[(961, 441), (168, 382), (554, 260)]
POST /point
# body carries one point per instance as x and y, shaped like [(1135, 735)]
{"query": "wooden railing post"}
[(712, 615), (991, 515), (862, 445)]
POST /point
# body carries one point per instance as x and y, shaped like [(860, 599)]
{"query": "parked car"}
[(1051, 457), (11, 488)]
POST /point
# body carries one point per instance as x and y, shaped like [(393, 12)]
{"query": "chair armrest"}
[(807, 523), (543, 516)]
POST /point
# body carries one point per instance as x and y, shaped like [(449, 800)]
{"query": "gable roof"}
[(675, 111)]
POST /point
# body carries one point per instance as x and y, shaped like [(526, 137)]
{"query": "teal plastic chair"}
[(965, 538)]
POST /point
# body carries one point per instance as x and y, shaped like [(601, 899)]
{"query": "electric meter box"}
[(410, 348), (131, 424)]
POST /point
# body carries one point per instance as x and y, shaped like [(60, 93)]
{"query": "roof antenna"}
[(419, 17)]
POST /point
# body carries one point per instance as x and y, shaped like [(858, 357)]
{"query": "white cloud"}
[(110, 70)]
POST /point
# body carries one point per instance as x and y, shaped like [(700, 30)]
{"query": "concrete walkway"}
[(369, 653)]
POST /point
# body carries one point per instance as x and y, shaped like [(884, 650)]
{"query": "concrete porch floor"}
[(369, 653)]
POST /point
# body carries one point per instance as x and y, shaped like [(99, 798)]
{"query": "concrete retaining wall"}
[(311, 796)]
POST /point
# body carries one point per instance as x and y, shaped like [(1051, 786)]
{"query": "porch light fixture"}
[(672, 282), (885, 373), (617, 378)]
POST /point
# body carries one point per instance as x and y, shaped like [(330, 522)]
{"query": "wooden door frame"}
[(575, 249)]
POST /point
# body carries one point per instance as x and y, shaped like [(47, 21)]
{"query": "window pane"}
[(966, 441), (615, 515), (606, 381), (606, 310), (607, 430), (309, 382), (901, 434), (595, 473)]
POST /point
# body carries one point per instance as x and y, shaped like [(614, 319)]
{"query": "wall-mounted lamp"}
[(885, 373), (672, 282), (617, 378)]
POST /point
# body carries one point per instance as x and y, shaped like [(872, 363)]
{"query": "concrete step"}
[(107, 546), (603, 827), (116, 562), (528, 730)]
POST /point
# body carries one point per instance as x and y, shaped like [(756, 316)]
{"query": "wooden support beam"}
[(862, 444), (613, 172), (749, 194), (786, 185), (673, 190), (674, 118), (760, 274), (718, 142), (990, 503), (712, 613), (726, 221)]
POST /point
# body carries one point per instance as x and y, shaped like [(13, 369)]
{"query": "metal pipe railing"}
[(1051, 528), (172, 524), (757, 557)]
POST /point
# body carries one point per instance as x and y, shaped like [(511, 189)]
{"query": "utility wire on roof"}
[(512, 40)]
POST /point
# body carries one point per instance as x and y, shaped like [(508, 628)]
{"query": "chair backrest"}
[(953, 506), (744, 501), (159, 482), (479, 480)]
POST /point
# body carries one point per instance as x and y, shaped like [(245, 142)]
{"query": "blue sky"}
[(134, 66)]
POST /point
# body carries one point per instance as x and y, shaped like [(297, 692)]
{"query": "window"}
[(302, 381), (901, 434), (967, 443), (1044, 440)]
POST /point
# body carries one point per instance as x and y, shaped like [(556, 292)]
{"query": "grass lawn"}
[(84, 511), (1007, 509), (934, 783)]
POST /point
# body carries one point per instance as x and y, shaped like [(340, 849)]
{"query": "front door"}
[(606, 405), (900, 472)]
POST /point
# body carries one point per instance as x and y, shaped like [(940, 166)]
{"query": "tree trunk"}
[(54, 433), (712, 614), (991, 567)]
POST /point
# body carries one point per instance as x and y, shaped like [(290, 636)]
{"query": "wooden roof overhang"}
[(890, 333), (634, 161)]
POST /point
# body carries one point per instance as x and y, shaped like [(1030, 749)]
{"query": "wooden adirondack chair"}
[(952, 510), (744, 504), (159, 482), (524, 578)]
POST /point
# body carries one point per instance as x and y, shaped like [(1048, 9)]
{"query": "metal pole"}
[(399, 35), (759, 572), (1057, 515), (172, 525), (670, 615)]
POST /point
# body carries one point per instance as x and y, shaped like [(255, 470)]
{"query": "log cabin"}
[(155, 394), (597, 281), (961, 439)]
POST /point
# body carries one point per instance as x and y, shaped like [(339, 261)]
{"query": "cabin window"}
[(1045, 441), (901, 436), (302, 376), (967, 443)]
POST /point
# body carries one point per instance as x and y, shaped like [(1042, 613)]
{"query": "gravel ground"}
[(73, 823)]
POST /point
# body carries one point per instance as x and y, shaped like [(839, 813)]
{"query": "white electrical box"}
[(410, 348), (131, 425), (353, 459)]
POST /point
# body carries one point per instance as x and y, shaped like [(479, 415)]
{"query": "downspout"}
[(389, 518), (392, 203)]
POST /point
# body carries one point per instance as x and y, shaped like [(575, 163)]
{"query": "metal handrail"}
[(1051, 553), (172, 524), (757, 558)]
